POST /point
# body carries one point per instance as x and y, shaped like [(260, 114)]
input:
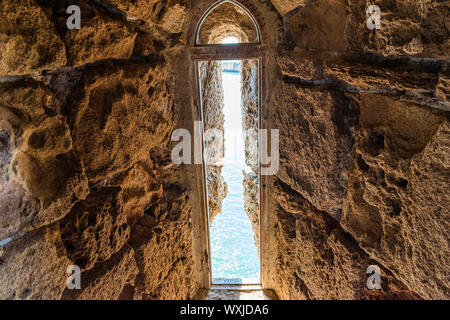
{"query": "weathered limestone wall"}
[(85, 170), (210, 75), (364, 128), (250, 124), (85, 124)]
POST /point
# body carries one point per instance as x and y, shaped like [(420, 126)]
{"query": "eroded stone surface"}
[(36, 145), (408, 27), (251, 196), (315, 140), (326, 262), (95, 228), (141, 186), (381, 77), (250, 124), (17, 208), (55, 131), (162, 241), (115, 128), (300, 67), (396, 204), (99, 38), (285, 6), (169, 15), (213, 117), (34, 267), (443, 88), (310, 29), (23, 50)]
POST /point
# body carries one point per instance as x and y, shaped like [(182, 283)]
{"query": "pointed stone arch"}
[(227, 18)]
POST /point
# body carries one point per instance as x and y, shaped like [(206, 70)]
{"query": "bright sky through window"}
[(230, 40)]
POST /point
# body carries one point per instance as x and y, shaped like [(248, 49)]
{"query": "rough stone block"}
[(396, 205), (34, 266), (285, 6), (29, 42), (107, 280), (118, 115), (95, 228), (315, 142)]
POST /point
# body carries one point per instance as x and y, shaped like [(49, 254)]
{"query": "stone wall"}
[(85, 124), (364, 124)]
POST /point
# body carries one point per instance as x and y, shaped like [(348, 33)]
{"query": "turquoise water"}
[(234, 254)]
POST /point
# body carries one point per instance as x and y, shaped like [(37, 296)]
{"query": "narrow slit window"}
[(230, 118)]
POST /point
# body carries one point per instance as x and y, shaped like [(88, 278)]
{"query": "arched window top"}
[(227, 19)]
